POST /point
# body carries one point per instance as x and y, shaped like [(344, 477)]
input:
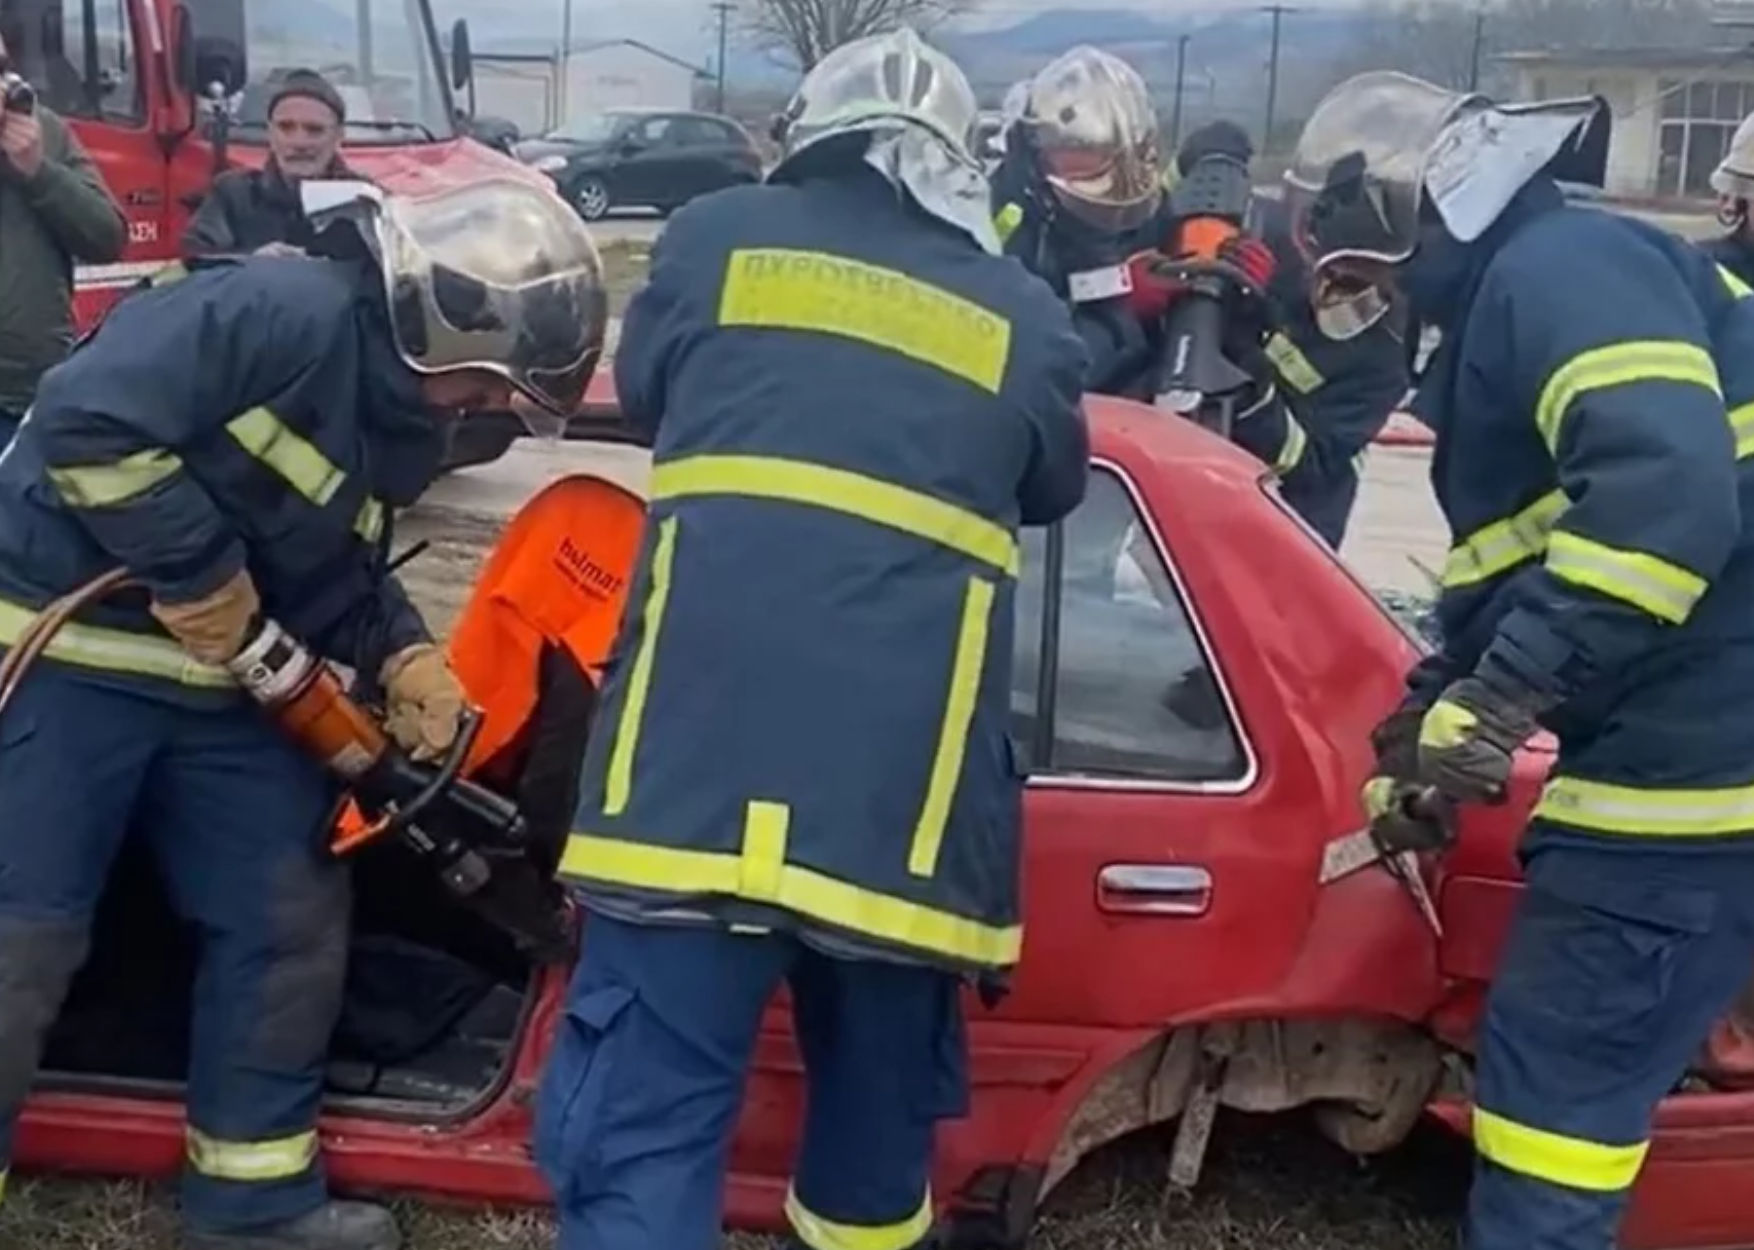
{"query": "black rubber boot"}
[(333, 1226)]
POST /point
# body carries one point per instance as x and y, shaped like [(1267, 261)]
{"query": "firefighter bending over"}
[(800, 772), (1589, 393), (256, 484)]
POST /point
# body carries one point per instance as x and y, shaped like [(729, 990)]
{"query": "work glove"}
[(424, 701), (1396, 743), (1469, 738), (1253, 257), (1407, 815), (1151, 289), (213, 628)]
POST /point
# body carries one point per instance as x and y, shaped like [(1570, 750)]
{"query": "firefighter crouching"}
[(800, 772), (1733, 180), (1593, 398), (234, 440)]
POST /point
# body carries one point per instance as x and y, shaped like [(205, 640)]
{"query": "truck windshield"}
[(379, 54)]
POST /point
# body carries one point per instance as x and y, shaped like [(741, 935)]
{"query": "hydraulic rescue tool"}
[(472, 839), (1418, 821), (1196, 377)]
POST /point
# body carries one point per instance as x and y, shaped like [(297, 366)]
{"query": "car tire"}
[(590, 196)]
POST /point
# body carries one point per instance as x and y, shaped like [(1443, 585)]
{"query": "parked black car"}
[(643, 158)]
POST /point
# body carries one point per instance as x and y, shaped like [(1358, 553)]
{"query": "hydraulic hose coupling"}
[(307, 699)]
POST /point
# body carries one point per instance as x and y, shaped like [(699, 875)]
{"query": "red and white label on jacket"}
[(1089, 285)]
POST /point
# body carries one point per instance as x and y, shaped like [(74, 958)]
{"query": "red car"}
[(1196, 680)]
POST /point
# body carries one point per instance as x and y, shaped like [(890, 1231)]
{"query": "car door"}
[(646, 166)]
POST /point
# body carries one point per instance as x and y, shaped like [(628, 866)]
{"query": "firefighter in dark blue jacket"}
[(1593, 399), (1733, 180), (234, 439), (801, 771)]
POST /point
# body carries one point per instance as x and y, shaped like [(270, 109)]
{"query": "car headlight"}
[(549, 164)]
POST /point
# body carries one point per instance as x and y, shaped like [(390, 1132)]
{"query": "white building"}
[(542, 93), (1674, 111)]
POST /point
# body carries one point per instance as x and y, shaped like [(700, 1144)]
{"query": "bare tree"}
[(802, 32)]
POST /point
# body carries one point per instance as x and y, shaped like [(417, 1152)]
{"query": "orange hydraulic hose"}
[(42, 630)]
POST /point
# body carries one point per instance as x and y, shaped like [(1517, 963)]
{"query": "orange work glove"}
[(213, 628), (1152, 291), (425, 700)]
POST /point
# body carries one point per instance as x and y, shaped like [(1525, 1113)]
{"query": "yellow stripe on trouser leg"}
[(1575, 1162), (619, 780), (821, 1234), (275, 1160), (965, 685)]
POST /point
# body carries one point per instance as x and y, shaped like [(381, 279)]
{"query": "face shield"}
[(498, 276), (1092, 126)]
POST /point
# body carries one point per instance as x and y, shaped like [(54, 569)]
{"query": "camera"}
[(18, 95)]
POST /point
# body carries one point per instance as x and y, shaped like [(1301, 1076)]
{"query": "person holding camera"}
[(54, 212), (258, 210)]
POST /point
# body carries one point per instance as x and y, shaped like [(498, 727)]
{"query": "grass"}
[(1269, 1182)]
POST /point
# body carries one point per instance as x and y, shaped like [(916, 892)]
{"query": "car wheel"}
[(591, 198)]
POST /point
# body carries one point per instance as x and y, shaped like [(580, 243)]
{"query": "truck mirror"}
[(462, 59)]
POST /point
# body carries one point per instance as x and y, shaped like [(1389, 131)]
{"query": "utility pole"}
[(1181, 72), (723, 9), (1479, 43), (565, 61), (1278, 11)]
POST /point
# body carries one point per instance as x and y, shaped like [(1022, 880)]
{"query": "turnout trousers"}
[(640, 1099), (234, 818), (1620, 959)]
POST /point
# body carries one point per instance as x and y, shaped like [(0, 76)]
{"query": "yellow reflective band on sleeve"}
[(369, 524), (1620, 364), (279, 1159), (1742, 426), (1636, 812), (1446, 725), (1737, 287), (618, 783), (1573, 1162), (829, 900), (105, 485), (869, 498), (295, 458), (789, 289), (1291, 451), (1292, 365), (1006, 221), (1666, 591), (1502, 545), (115, 650), (822, 1234), (965, 683)]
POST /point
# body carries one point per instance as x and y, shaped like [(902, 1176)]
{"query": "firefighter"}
[(1733, 180), (801, 772), (256, 484), (1590, 392)]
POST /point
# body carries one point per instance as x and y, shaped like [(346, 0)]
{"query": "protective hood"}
[(935, 177), (1483, 159)]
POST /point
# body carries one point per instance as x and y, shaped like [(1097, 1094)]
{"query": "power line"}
[(723, 9)]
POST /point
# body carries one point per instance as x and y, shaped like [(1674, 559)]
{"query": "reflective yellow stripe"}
[(1639, 812), (821, 1234), (294, 457), (1574, 1162), (1447, 725), (1006, 221), (869, 498), (765, 826), (254, 1160), (369, 524), (592, 857), (115, 650), (4, 1174), (618, 783), (1291, 451), (1293, 365), (788, 289), (965, 686), (1742, 426), (1666, 591), (1502, 545), (1620, 364), (104, 485), (1737, 287), (171, 274)]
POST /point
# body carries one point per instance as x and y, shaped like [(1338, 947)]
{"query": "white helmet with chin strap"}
[(1733, 179), (1384, 147)]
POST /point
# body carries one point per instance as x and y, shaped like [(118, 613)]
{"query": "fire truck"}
[(167, 93)]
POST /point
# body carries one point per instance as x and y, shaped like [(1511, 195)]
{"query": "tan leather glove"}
[(425, 700), (213, 629)]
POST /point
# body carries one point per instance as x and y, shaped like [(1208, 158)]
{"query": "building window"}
[(1698, 120)]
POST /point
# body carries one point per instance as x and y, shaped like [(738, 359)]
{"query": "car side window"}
[(49, 43), (655, 130), (1135, 696)]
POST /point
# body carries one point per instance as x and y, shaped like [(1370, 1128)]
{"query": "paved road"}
[(632, 224)]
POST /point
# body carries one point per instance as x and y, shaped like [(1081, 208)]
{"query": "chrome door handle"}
[(1154, 889)]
